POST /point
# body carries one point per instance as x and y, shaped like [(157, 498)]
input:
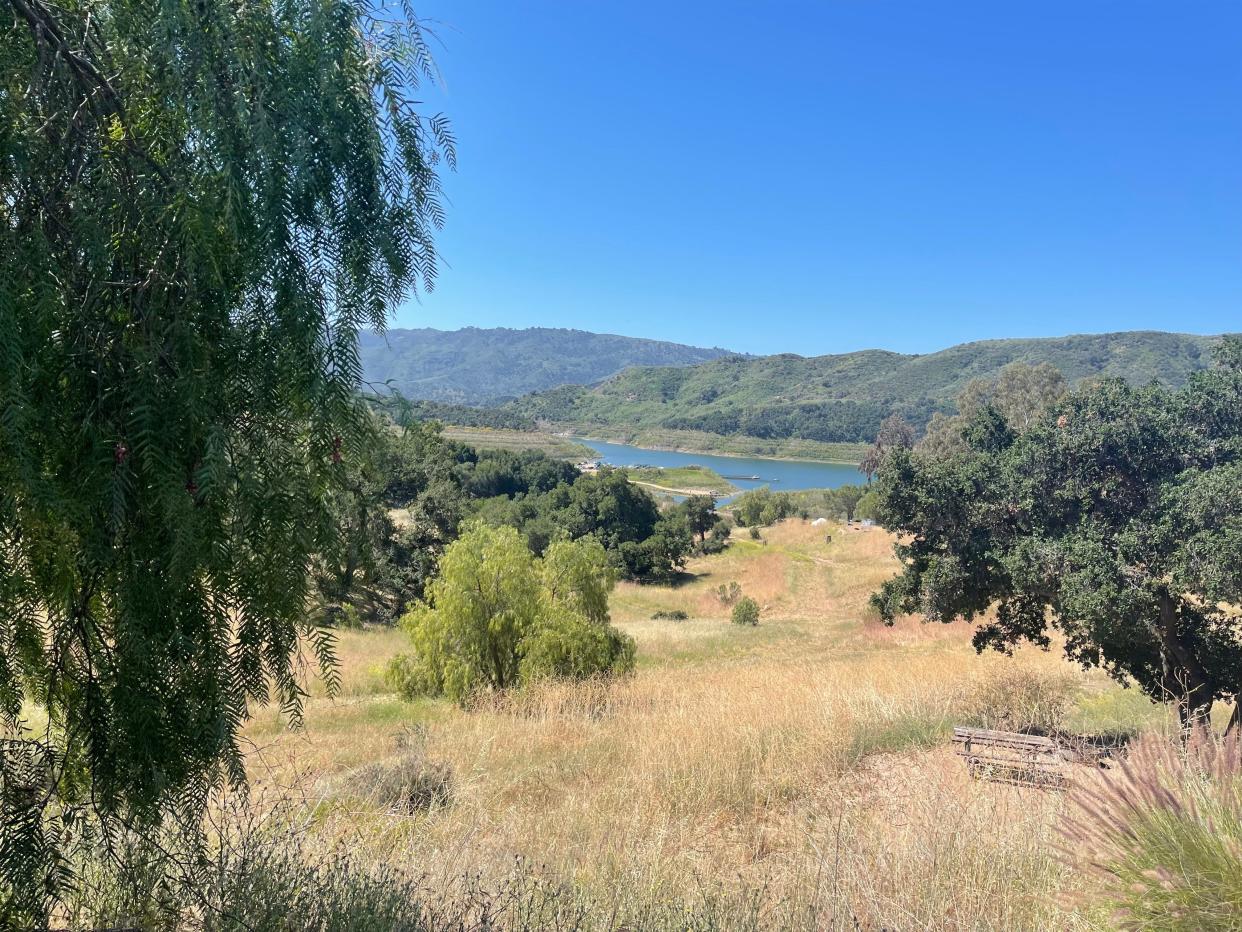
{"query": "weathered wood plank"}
[(1011, 757)]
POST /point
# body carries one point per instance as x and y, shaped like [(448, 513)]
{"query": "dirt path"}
[(715, 493)]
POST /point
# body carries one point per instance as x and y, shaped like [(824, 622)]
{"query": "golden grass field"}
[(803, 764)]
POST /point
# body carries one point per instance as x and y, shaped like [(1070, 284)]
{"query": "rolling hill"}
[(843, 398), (487, 366)]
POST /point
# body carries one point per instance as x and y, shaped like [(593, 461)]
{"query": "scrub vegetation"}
[(795, 774)]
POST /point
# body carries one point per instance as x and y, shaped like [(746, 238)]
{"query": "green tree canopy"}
[(844, 499), (1022, 393), (200, 206), (398, 504), (896, 433), (498, 616), (700, 514), (1115, 519)]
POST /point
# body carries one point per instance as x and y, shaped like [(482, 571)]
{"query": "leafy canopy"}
[(1115, 518), (498, 616), (640, 541), (201, 204)]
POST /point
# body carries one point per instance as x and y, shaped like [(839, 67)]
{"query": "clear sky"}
[(827, 176)]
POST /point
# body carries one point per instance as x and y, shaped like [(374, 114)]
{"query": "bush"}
[(728, 594), (408, 783), (746, 612), (718, 540), (868, 506), (260, 874), (754, 533), (498, 616), (1161, 836), (1011, 698), (675, 615), (566, 645)]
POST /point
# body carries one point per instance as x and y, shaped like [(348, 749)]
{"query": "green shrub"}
[(497, 616), (675, 615), (868, 506), (342, 615), (565, 645), (746, 612), (754, 533)]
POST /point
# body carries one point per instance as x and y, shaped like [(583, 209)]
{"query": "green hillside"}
[(478, 366), (843, 398)]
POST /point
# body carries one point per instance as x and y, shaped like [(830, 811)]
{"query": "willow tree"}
[(201, 203)]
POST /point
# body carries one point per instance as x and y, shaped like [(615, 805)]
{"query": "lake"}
[(781, 475)]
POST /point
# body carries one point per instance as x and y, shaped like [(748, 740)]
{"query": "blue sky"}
[(825, 177)]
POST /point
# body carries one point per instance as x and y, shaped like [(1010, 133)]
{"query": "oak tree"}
[(1114, 519)]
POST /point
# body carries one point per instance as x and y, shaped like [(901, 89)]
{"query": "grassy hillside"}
[(843, 398), (484, 366), (491, 438), (793, 775)]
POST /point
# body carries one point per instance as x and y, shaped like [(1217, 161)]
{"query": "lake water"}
[(780, 475)]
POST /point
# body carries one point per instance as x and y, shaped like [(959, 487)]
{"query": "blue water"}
[(780, 475)]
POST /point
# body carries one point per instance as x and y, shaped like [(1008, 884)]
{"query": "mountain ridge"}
[(489, 365), (841, 398)]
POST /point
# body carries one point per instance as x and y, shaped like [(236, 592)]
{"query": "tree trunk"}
[(1235, 719), (1185, 678)]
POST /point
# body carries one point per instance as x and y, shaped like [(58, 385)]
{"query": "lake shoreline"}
[(699, 451), (743, 473)]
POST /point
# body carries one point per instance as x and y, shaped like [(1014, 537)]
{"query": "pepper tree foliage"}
[(497, 616), (1114, 518), (200, 205)]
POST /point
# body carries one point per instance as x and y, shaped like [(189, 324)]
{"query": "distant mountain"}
[(487, 366), (843, 398)]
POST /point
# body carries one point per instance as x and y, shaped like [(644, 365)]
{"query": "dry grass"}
[(805, 758)]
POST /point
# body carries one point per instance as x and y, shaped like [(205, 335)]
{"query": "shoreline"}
[(665, 448)]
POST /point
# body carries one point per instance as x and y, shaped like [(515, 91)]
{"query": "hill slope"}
[(843, 398), (486, 366)]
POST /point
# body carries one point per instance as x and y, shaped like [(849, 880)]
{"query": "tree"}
[(844, 499), (497, 616), (895, 434), (1115, 518), (746, 612), (1022, 393), (868, 506), (700, 513), (761, 507), (200, 205), (377, 562), (623, 516)]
